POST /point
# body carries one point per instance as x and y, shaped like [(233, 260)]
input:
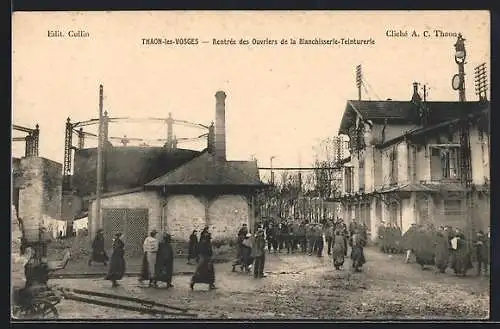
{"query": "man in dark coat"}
[(117, 263), (98, 253), (319, 240), (329, 229), (205, 272), (441, 251), (193, 247), (272, 238), (259, 253), (424, 247), (462, 257), (165, 262), (482, 253)]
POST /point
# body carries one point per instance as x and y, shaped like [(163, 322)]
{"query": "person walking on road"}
[(165, 261), (339, 249), (150, 247), (193, 247), (117, 262), (441, 251), (98, 253), (259, 254), (205, 272)]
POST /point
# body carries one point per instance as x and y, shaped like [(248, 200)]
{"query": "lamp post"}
[(458, 81)]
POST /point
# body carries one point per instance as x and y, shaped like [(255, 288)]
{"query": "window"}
[(393, 158), (445, 163), (452, 207), (362, 175)]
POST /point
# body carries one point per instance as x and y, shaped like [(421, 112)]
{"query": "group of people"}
[(302, 237), (158, 259), (441, 247)]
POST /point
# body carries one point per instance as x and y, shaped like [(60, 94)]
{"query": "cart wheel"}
[(40, 309)]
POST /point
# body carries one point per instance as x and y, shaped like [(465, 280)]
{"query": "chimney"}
[(416, 97), (220, 125), (211, 139), (170, 132)]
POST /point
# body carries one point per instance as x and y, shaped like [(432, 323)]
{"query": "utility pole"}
[(458, 83), (359, 80), (99, 161)]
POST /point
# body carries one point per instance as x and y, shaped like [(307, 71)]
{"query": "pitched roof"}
[(207, 170), (126, 166), (404, 111), (426, 130), (424, 187)]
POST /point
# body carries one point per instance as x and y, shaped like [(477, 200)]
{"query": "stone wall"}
[(224, 215), (142, 199), (40, 183)]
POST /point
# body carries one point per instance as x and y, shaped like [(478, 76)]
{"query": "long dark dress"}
[(164, 263), (98, 253), (338, 250), (193, 246), (357, 252), (205, 272), (463, 260), (441, 252), (117, 262), (424, 248)]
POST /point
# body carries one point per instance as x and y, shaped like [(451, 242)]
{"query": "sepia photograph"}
[(250, 165)]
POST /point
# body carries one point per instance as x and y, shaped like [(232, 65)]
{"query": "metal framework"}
[(481, 81), (77, 128), (31, 139)]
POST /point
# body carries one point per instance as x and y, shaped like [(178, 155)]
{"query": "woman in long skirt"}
[(165, 262), (338, 250), (98, 252), (441, 252), (117, 263), (205, 272), (193, 246), (463, 260)]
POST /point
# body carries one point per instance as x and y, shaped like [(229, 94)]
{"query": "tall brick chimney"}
[(220, 125)]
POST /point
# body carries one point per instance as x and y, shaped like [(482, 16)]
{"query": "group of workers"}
[(304, 237), (441, 247)]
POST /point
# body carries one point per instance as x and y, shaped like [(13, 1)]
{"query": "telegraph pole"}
[(359, 80), (99, 161), (458, 83)]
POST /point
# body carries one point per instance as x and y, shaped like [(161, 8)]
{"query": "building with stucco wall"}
[(208, 190), (405, 163)]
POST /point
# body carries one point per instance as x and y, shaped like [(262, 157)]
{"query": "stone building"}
[(208, 190), (405, 165), (37, 192)]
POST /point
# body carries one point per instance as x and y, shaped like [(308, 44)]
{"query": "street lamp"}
[(458, 81)]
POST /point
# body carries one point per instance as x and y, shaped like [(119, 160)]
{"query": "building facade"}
[(408, 163), (208, 190)]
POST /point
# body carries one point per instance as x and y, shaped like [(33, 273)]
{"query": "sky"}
[(282, 100)]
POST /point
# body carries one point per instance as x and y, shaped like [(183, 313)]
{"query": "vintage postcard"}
[(253, 165)]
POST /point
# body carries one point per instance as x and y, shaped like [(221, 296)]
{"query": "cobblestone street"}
[(305, 287)]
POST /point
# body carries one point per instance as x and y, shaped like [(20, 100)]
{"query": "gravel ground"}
[(306, 287)]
